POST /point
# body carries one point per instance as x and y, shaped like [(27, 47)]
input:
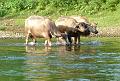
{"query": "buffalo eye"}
[(77, 27), (84, 25)]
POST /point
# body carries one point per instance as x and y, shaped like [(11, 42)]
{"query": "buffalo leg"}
[(69, 39), (48, 42), (75, 40), (65, 39), (62, 40), (34, 39), (78, 40), (27, 37)]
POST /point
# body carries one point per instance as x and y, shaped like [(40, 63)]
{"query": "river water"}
[(93, 60)]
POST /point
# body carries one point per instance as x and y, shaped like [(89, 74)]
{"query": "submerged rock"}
[(31, 44)]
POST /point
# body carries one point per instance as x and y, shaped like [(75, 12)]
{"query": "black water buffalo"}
[(71, 27), (91, 26)]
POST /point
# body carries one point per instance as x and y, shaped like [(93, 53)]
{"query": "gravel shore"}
[(103, 32), (11, 35)]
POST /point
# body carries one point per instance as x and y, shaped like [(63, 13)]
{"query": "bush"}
[(18, 5), (3, 10), (48, 7)]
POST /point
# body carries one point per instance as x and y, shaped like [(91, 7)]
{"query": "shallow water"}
[(94, 60)]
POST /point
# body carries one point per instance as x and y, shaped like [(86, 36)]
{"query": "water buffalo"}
[(42, 27), (91, 26), (80, 19), (71, 27)]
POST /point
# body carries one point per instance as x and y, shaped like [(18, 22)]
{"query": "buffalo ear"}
[(94, 23)]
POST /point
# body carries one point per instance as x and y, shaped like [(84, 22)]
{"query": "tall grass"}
[(107, 18)]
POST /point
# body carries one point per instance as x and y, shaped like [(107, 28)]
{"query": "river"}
[(97, 59)]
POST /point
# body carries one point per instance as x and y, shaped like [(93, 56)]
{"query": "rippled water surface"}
[(94, 60)]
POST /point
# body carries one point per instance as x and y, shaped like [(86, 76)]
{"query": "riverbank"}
[(109, 32), (103, 32), (11, 35)]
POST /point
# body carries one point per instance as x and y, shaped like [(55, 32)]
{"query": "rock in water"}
[(31, 44)]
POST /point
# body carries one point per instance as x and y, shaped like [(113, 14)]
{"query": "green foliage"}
[(2, 27), (12, 6), (58, 7), (3, 10)]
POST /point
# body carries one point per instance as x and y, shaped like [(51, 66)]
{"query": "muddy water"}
[(94, 60)]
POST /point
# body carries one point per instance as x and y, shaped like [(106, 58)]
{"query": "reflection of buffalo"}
[(91, 26), (71, 27), (38, 26), (36, 50)]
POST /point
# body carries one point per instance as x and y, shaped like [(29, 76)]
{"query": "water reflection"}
[(70, 63), (36, 65), (73, 48), (60, 63), (34, 49)]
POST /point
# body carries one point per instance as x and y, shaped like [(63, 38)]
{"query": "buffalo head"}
[(92, 28)]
